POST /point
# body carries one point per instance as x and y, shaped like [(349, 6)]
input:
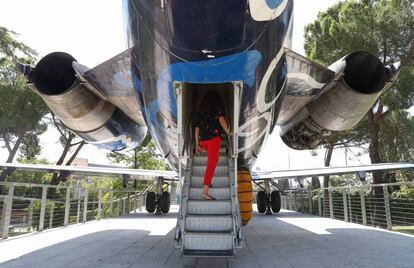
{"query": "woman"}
[(209, 127)]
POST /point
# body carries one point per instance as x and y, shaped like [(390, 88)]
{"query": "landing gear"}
[(261, 201), (164, 202), (158, 202), (275, 201), (268, 201), (150, 202)]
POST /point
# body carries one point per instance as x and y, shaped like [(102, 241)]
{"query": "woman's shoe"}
[(209, 197)]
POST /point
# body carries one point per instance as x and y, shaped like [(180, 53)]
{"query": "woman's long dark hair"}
[(211, 102)]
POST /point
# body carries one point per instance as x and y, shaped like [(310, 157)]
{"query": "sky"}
[(92, 32)]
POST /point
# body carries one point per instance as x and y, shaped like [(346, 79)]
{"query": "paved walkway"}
[(140, 240)]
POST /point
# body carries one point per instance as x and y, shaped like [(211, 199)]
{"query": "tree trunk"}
[(328, 157), (63, 175), (374, 148), (62, 157), (12, 154), (377, 207)]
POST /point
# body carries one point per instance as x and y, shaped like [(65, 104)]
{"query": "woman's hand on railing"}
[(198, 149)]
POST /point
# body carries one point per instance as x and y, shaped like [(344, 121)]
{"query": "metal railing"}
[(26, 207), (372, 205)]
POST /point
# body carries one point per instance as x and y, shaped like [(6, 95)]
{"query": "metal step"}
[(218, 181), (201, 160), (220, 171), (208, 223), (217, 193), (203, 207), (208, 241), (207, 253), (221, 154)]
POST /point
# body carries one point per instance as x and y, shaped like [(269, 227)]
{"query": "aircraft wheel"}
[(165, 202), (261, 202), (275, 201), (151, 202)]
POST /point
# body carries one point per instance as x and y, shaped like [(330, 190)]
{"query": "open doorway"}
[(192, 95)]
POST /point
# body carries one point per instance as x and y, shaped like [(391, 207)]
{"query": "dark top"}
[(209, 125)]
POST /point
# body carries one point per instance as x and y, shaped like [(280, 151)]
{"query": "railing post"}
[(320, 204), (111, 203), (119, 206), (7, 210), (302, 201), (310, 201), (331, 211), (387, 207), (345, 201), (67, 207), (78, 214), (42, 208), (363, 208), (128, 201), (52, 209), (296, 201), (30, 220), (85, 205), (350, 205), (123, 206), (99, 216)]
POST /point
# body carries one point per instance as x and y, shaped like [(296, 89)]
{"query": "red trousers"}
[(212, 147)]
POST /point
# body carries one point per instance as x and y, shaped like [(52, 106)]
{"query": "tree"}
[(67, 140), (21, 110), (145, 156), (386, 29), (30, 146)]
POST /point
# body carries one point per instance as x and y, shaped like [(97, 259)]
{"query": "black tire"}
[(165, 202), (275, 201), (151, 202), (261, 202)]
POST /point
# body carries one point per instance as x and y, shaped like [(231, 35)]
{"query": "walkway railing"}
[(26, 207), (370, 204)]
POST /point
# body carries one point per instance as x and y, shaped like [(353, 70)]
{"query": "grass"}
[(404, 229)]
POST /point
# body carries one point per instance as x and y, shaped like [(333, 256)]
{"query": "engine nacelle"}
[(360, 79), (90, 117)]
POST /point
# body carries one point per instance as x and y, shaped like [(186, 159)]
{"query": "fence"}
[(26, 207), (366, 204)]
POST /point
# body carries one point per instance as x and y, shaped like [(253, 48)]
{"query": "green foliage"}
[(315, 183), (397, 137), (145, 156), (30, 147), (21, 110), (385, 28)]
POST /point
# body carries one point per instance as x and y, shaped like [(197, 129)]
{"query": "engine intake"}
[(93, 119), (360, 78)]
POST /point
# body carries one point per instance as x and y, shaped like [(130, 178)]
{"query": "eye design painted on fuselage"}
[(263, 10)]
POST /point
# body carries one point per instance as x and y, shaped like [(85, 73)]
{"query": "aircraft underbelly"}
[(166, 53)]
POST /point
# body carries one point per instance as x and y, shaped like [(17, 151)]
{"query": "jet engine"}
[(78, 107), (360, 78)]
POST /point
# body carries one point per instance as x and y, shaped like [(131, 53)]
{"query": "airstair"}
[(209, 228)]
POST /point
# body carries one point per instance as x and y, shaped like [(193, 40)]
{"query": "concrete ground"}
[(288, 239)]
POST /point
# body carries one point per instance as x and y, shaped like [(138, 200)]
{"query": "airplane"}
[(180, 50)]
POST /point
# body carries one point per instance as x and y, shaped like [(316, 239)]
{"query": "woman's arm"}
[(224, 125), (197, 134)]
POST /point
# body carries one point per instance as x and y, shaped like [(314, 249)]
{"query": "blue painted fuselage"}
[(209, 42)]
